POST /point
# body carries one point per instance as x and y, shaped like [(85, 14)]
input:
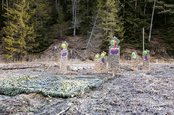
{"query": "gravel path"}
[(130, 93)]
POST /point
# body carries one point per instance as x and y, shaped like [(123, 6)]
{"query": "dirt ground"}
[(128, 93)]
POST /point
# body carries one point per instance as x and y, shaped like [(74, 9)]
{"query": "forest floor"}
[(129, 92)]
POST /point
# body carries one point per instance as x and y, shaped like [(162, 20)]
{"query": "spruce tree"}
[(136, 15), (41, 12), (18, 33), (110, 20)]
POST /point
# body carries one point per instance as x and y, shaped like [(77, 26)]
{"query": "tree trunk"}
[(7, 4), (135, 4), (150, 32), (143, 39), (92, 30), (2, 4), (124, 8), (74, 12), (75, 19), (87, 6), (145, 7), (56, 2), (135, 8), (165, 19)]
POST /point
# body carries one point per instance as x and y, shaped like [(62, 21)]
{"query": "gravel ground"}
[(129, 93)]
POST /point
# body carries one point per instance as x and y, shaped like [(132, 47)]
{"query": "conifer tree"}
[(40, 11), (18, 33), (110, 21)]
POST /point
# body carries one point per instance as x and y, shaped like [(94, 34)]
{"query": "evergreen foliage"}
[(135, 18), (110, 21), (40, 11), (30, 26), (18, 33)]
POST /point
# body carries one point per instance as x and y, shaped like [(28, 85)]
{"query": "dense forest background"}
[(31, 26)]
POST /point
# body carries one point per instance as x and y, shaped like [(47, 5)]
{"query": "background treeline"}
[(31, 26)]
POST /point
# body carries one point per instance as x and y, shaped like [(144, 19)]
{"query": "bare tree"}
[(75, 10), (150, 32), (93, 28), (145, 5)]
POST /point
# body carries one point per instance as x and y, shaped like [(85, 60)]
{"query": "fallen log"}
[(19, 66)]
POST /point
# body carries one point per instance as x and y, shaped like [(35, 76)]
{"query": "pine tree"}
[(59, 29), (165, 7), (40, 11), (18, 33), (136, 15), (110, 20)]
